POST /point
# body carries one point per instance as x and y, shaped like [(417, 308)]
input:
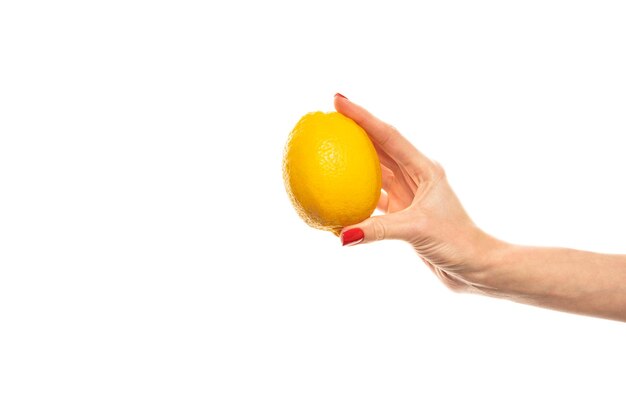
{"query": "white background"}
[(150, 261)]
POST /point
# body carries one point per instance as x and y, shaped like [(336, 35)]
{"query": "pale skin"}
[(421, 208)]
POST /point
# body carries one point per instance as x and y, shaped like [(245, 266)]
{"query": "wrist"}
[(489, 255)]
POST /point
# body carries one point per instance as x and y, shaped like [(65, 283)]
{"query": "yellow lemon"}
[(331, 171)]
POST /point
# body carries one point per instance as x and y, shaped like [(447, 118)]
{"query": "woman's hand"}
[(420, 208)]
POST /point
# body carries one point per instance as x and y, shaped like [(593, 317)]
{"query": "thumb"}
[(376, 228)]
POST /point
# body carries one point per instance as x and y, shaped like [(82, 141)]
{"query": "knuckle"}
[(390, 133), (378, 227), (437, 170)]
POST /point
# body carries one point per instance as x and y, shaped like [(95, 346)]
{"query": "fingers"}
[(385, 136), (396, 187), (391, 226), (388, 177)]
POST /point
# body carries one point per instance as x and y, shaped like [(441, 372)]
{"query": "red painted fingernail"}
[(341, 95), (352, 237)]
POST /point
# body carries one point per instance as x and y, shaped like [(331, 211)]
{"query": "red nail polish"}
[(352, 237), (341, 95)]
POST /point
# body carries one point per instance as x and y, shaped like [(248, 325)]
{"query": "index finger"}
[(384, 135)]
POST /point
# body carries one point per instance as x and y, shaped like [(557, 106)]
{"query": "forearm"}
[(558, 278)]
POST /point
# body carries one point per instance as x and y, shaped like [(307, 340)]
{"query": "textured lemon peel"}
[(331, 171)]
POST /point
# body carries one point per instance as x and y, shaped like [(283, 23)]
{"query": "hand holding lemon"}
[(334, 167)]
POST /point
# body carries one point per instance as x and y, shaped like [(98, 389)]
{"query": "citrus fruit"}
[(331, 171)]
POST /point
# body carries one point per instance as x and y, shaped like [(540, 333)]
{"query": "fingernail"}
[(341, 95), (352, 237)]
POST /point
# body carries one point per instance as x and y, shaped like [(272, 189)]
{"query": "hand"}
[(420, 208)]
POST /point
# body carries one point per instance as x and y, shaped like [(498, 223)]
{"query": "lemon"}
[(331, 171)]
